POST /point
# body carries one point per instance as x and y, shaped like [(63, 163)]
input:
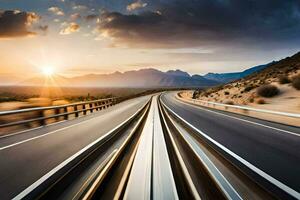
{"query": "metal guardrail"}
[(40, 116), (245, 108)]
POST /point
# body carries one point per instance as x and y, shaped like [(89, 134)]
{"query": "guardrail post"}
[(76, 109), (83, 108), (41, 115), (66, 116), (96, 106), (57, 111), (91, 107)]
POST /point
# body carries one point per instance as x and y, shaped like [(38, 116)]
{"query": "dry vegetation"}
[(296, 82), (28, 97), (278, 82), (267, 91), (22, 93), (19, 97)]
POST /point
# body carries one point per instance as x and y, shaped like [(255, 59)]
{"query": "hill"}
[(276, 87)]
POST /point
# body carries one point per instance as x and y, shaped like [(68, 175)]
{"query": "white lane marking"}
[(68, 160), (40, 127), (97, 170), (163, 183), (224, 184), (20, 132), (185, 171), (49, 133), (140, 174), (263, 174), (244, 120)]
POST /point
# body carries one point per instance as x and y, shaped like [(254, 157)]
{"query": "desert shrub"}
[(249, 88), (195, 94), (226, 93), (228, 102), (260, 101), (284, 80), (267, 91), (287, 70), (296, 82)]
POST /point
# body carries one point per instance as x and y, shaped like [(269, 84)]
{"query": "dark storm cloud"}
[(205, 22), (91, 17), (15, 23)]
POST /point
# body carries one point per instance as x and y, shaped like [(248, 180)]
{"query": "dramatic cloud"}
[(56, 11), (91, 17), (136, 5), (16, 23), (71, 28), (205, 22)]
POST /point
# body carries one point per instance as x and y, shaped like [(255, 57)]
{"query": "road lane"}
[(273, 151), (38, 151)]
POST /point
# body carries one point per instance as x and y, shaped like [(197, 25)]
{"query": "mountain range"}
[(144, 78), (228, 77)]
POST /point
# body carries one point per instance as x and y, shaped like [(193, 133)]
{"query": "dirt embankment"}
[(276, 88)]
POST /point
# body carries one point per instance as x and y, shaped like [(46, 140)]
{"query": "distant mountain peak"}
[(178, 72), (147, 77), (227, 77), (117, 73)]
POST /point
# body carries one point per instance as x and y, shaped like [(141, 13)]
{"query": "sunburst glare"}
[(48, 70)]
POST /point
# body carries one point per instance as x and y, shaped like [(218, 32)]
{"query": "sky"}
[(102, 36)]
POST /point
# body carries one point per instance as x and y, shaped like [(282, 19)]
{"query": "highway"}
[(153, 147), (26, 157), (271, 147)]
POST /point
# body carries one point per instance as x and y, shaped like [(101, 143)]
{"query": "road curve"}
[(268, 146), (26, 157)]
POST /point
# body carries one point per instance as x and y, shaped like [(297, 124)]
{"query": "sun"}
[(48, 70)]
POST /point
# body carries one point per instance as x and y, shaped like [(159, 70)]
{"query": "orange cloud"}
[(71, 28), (136, 5), (56, 10)]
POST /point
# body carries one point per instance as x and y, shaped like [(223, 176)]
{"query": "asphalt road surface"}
[(26, 157), (271, 147)]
